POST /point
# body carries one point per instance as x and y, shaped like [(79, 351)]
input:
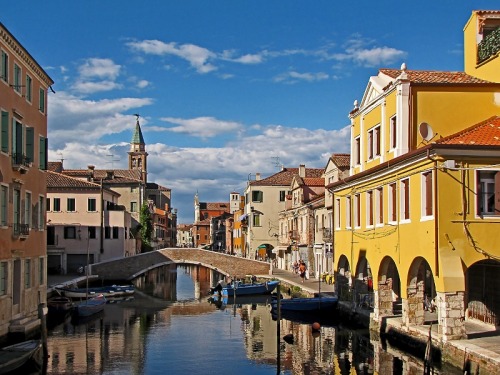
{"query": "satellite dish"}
[(425, 131)]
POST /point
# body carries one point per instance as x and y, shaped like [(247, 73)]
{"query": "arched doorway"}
[(421, 290), (363, 284), (389, 288), (483, 291), (343, 279)]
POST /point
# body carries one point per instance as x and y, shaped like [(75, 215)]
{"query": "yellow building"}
[(417, 218)]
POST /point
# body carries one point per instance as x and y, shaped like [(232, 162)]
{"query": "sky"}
[(224, 89)]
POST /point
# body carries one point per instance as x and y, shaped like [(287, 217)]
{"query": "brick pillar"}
[(413, 305), (451, 315), (383, 299)]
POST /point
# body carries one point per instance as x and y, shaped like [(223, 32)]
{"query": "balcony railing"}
[(22, 230), (327, 235), (293, 235), (489, 46), (21, 162)]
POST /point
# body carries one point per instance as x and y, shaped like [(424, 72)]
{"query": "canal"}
[(171, 326)]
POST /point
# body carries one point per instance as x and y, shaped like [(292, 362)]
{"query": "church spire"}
[(137, 156)]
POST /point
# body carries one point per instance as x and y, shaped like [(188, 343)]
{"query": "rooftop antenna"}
[(277, 162), (62, 157), (112, 160), (137, 116)]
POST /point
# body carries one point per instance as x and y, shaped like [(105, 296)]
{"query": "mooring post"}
[(42, 315)]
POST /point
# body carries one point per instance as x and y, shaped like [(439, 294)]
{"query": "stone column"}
[(413, 305), (383, 299), (451, 315)]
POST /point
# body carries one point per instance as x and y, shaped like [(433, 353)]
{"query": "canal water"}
[(171, 326)]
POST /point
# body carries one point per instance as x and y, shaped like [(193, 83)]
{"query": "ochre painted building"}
[(418, 216)]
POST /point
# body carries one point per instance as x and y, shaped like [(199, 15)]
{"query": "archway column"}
[(451, 310), (413, 306), (383, 299)]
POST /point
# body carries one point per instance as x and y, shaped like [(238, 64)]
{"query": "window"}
[(357, 151), (17, 209), (91, 205), (357, 210), (27, 273), (115, 232), (4, 194), (133, 206), (107, 232), (70, 233), (41, 213), (257, 196), (30, 144), (92, 232), (57, 205), (70, 205), (48, 204), (27, 209), (43, 145), (29, 88), (256, 220), (4, 65), (3, 278), (17, 78), (17, 142), (393, 132), (282, 195), (337, 213), (369, 208), (41, 270), (5, 132), (427, 208), (392, 202), (374, 142), (348, 220), (405, 199), (488, 184), (41, 102), (379, 206)]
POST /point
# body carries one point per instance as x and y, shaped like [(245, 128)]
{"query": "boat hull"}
[(14, 357), (59, 305), (106, 291), (307, 304), (90, 307), (250, 289)]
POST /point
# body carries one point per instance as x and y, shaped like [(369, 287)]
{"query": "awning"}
[(262, 247), (242, 217)]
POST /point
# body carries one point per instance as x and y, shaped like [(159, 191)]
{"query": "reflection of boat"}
[(319, 303), (15, 356), (325, 317), (241, 289), (59, 305), (106, 291), (90, 306), (260, 299)]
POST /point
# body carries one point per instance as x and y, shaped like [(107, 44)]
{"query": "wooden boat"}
[(106, 291), (242, 289), (90, 306), (59, 305), (16, 356), (319, 303)]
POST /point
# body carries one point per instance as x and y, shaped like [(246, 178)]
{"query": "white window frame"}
[(337, 213), (348, 216), (424, 195), (404, 198), (374, 140), (379, 206), (357, 211), (392, 199), (357, 151), (481, 195), (369, 209), (393, 133)]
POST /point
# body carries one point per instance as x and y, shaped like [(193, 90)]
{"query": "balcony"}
[(293, 235), (21, 230), (327, 235), (20, 162), (489, 46)]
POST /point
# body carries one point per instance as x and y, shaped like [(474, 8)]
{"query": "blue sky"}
[(225, 89)]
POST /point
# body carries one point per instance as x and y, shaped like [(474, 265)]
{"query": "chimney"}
[(90, 172), (257, 177), (110, 175), (302, 170)]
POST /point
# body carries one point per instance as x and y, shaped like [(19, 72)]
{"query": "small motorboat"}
[(90, 306), (242, 289), (59, 305), (320, 303), (19, 355), (106, 291)]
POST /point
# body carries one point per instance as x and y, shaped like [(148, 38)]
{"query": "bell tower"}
[(137, 156)]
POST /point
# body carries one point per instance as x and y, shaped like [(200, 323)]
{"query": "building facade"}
[(23, 161)]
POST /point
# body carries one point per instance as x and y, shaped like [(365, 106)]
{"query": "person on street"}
[(302, 271)]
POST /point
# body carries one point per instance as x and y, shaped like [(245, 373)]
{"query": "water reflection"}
[(171, 326)]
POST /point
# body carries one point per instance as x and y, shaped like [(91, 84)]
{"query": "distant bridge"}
[(131, 267)]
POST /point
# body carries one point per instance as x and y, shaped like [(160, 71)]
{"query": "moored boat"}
[(319, 303), (242, 289), (90, 306), (59, 305), (106, 291), (15, 356)]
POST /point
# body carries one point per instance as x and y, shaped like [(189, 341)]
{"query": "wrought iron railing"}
[(488, 46), (21, 229), (20, 159)]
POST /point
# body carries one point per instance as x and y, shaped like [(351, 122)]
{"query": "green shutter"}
[(42, 163), (5, 132), (30, 144)]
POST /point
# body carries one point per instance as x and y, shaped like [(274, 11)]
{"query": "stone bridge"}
[(131, 267)]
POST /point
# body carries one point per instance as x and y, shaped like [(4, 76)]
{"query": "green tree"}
[(146, 228)]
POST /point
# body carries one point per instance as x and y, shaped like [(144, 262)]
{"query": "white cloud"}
[(294, 77), (143, 84), (99, 68), (202, 127), (93, 87)]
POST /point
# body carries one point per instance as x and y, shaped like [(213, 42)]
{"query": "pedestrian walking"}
[(302, 271)]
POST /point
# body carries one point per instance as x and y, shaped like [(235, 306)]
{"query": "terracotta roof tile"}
[(486, 133), (434, 77), (343, 161), (58, 180), (285, 176), (314, 181), (121, 176), (55, 166)]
